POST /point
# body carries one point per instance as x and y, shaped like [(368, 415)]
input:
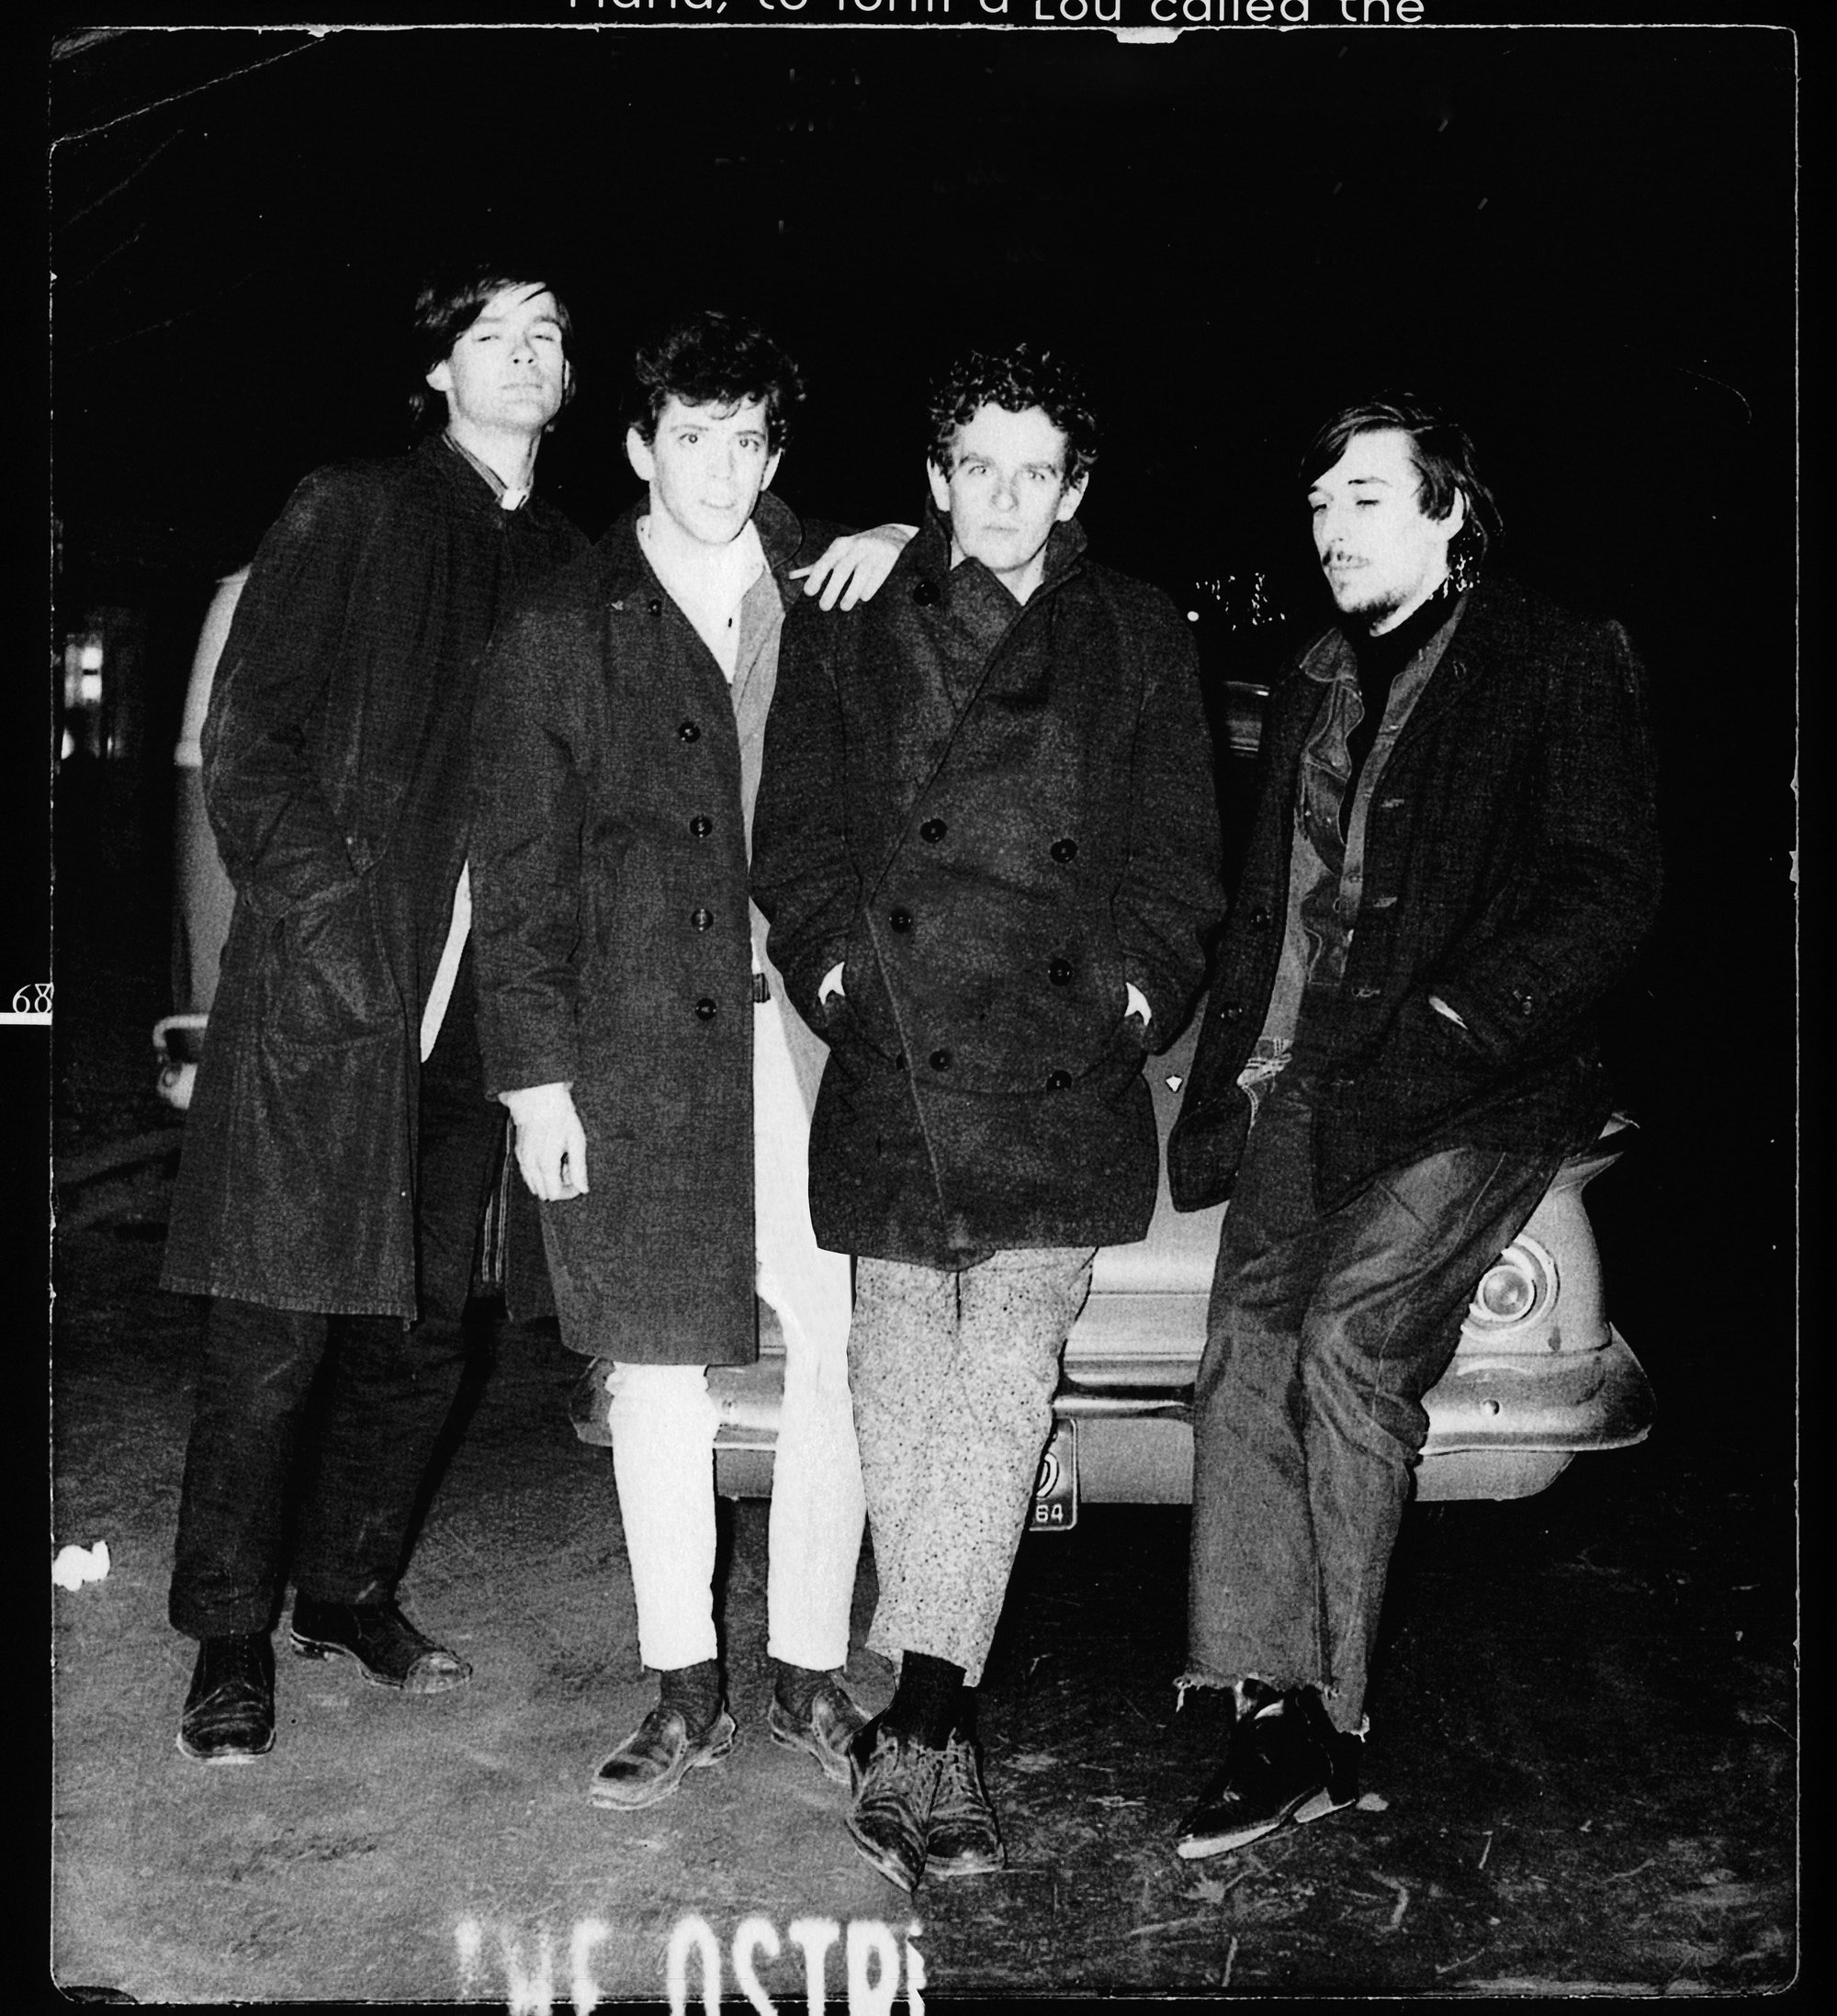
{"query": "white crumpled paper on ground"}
[(76, 1565)]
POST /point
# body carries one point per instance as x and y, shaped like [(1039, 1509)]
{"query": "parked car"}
[(1539, 1376)]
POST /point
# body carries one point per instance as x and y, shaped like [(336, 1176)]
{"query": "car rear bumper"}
[(1500, 1427)]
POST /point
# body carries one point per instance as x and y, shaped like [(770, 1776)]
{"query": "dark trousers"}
[(390, 1387), (1324, 1332)]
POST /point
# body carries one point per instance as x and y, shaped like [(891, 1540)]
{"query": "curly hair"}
[(444, 308), (1440, 451), (1015, 379), (712, 358)]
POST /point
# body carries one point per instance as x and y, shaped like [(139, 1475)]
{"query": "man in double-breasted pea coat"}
[(339, 1147), (1452, 857), (987, 841), (632, 1022)]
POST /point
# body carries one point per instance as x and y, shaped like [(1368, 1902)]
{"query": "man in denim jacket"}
[(1453, 856)]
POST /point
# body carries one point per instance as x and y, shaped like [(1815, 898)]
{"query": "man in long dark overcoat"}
[(658, 1083), (339, 1147), (1452, 857), (987, 841)]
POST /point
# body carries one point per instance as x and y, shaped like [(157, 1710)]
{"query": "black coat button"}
[(1258, 919), (700, 919), (1231, 1011), (901, 920), (932, 831), (925, 594), (1064, 850), (1059, 970), (701, 825), (940, 1059), (705, 1010), (1060, 1081), (688, 732), (655, 606)]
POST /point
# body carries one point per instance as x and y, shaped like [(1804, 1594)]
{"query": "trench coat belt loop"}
[(762, 987)]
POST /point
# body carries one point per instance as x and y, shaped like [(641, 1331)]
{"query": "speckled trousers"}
[(953, 1376), (664, 1421)]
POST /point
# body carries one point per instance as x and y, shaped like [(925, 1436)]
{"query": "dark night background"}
[(1584, 240)]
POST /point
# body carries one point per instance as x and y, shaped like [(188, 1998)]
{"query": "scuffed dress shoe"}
[(1285, 1764), (825, 1733), (961, 1838), (230, 1711), (650, 1764), (896, 1783), (390, 1650)]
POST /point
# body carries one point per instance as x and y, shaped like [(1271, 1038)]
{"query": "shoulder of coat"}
[(1507, 622)]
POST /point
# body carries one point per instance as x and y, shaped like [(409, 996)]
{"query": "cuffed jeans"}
[(1324, 1332), (663, 1425), (391, 1389), (954, 1377)]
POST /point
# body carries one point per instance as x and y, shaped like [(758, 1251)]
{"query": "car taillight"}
[(1517, 1286)]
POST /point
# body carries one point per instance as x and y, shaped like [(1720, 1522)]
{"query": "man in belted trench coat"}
[(1452, 857), (659, 1082), (987, 841), (339, 1147)]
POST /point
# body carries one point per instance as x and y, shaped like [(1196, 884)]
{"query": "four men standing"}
[(978, 811)]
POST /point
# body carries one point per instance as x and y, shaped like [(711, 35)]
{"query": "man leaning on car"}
[(987, 841), (1452, 856)]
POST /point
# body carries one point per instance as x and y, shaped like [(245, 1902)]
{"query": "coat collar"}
[(450, 467), (1484, 640), (929, 559)]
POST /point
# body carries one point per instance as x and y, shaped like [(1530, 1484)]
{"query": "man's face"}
[(1006, 490), (508, 372), (705, 466), (1381, 555)]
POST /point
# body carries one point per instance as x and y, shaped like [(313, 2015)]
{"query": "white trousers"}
[(663, 1422)]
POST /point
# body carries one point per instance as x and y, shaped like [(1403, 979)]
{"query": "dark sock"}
[(695, 1690), (965, 1722), (925, 1705), (797, 1686)]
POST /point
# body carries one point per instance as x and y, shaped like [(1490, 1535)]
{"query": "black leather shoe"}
[(650, 1764), (1285, 1764), (230, 1711), (381, 1640), (961, 1838), (896, 1781), (825, 1733)]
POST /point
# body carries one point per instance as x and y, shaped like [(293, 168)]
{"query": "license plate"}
[(1055, 1490)]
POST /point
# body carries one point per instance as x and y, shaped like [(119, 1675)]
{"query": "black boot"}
[(230, 1711), (390, 1649), (1284, 1763)]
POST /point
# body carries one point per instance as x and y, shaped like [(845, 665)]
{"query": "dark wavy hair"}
[(712, 358), (444, 308), (1442, 453), (1015, 379)]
